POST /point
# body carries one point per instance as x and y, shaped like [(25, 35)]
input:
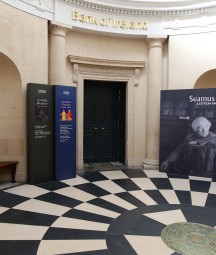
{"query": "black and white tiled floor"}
[(102, 213)]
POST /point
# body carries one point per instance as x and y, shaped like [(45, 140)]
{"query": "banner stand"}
[(40, 133), (65, 132), (188, 132)]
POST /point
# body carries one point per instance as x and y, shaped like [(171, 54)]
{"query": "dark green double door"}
[(104, 121)]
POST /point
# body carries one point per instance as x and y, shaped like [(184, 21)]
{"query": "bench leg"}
[(13, 173)]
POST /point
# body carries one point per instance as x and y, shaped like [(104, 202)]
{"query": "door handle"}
[(102, 128), (95, 128)]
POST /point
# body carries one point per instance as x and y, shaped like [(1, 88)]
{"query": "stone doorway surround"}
[(84, 68)]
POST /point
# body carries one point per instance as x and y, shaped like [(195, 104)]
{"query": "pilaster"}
[(155, 82), (57, 58)]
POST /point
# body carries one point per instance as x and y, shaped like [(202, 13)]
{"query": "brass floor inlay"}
[(190, 238)]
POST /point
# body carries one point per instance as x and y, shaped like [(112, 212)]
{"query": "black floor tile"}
[(118, 245), (93, 189), (99, 252), (184, 196), (200, 186), (177, 176), (134, 173), (73, 234), (52, 185), (107, 205), (130, 199), (146, 226), (59, 199), (135, 222), (27, 218), (93, 176), (11, 200), (211, 201), (126, 184), (19, 247), (123, 223), (82, 215), (202, 215), (156, 196), (161, 183)]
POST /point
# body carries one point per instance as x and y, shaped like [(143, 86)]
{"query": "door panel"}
[(108, 122), (89, 146), (90, 123), (122, 117), (101, 121)]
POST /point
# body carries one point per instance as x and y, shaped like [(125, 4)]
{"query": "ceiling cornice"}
[(106, 62), (144, 8)]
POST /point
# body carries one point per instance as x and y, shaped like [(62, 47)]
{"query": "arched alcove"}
[(11, 133), (206, 80)]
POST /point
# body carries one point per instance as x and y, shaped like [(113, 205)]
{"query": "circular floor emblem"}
[(190, 238)]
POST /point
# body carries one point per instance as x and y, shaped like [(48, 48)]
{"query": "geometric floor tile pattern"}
[(102, 213)]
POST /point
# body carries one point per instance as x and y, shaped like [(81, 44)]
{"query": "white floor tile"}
[(34, 205), (50, 247), (148, 245), (21, 232), (3, 209), (75, 181), (200, 178), (109, 186), (155, 174), (212, 189), (170, 196), (27, 190), (144, 183), (63, 222), (142, 196), (180, 184), (118, 201), (198, 198), (75, 193), (114, 175), (96, 210), (167, 217)]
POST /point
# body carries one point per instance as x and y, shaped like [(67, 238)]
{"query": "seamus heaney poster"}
[(188, 132)]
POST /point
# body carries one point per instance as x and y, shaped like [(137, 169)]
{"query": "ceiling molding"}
[(106, 62), (144, 8)]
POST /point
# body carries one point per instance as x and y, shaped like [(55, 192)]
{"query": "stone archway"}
[(11, 133), (206, 80)]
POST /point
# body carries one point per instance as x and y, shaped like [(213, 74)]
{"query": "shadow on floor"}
[(90, 167)]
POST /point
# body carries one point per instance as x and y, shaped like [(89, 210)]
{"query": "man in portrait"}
[(196, 154)]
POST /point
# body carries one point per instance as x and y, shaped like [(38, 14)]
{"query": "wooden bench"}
[(11, 165)]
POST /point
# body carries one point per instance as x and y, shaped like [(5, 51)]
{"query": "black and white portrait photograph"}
[(188, 132)]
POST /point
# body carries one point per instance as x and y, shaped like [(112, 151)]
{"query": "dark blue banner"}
[(65, 130)]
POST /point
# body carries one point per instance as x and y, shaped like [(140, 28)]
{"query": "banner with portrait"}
[(188, 132)]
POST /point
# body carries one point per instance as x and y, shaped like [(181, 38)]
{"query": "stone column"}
[(155, 82), (57, 57)]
